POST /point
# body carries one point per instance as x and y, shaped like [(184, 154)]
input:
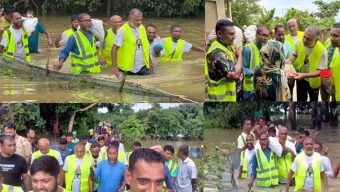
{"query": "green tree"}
[(327, 10), (245, 12), (131, 130)]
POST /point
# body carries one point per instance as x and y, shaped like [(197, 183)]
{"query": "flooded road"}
[(226, 138), (183, 79)]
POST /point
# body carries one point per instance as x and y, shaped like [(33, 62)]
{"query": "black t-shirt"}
[(12, 169)]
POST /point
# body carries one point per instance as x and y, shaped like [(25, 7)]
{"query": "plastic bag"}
[(98, 29), (250, 33), (29, 24), (238, 42)]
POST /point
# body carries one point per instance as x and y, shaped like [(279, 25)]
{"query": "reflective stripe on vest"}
[(283, 165), (11, 188), (224, 89), (9, 50), (84, 172), (301, 171), (172, 166), (267, 173), (254, 61), (314, 59), (51, 152), (290, 40), (106, 53), (171, 55), (87, 60), (126, 53), (335, 67), (244, 173)]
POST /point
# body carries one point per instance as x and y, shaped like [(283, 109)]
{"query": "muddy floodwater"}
[(184, 79), (329, 136)]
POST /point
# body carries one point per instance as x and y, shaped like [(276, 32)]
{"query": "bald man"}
[(287, 157), (105, 52), (44, 150), (251, 59), (309, 58), (130, 52), (77, 170)]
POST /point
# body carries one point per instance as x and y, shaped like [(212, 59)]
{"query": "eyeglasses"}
[(86, 21), (264, 35)]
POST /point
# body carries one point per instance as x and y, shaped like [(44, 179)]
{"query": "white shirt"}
[(249, 156), (139, 59), (327, 165), (274, 145), (59, 159), (241, 140), (76, 180), (186, 172), (323, 63), (309, 184), (19, 45)]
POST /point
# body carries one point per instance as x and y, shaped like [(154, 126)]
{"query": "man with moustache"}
[(174, 46), (155, 43), (335, 63), (246, 158), (44, 172), (145, 171), (251, 59), (62, 39), (14, 43), (241, 140), (13, 167), (82, 47), (223, 64), (110, 172), (308, 169)]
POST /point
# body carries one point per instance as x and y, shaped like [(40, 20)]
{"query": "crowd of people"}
[(271, 157), (94, 162), (268, 67), (128, 46)]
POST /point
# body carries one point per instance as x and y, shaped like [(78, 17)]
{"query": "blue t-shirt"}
[(64, 153), (168, 181), (110, 177), (33, 40), (70, 147)]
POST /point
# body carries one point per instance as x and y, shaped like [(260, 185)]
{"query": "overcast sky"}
[(281, 6)]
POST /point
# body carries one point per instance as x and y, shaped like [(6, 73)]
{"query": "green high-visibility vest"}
[(267, 173), (126, 53), (9, 50), (87, 60), (84, 172), (172, 166), (283, 165), (51, 152), (106, 53), (335, 68), (328, 43), (314, 59), (224, 89), (290, 40), (121, 157), (254, 61), (301, 171), (171, 55), (69, 32), (244, 173), (11, 188)]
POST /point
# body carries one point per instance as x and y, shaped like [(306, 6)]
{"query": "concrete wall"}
[(213, 10)]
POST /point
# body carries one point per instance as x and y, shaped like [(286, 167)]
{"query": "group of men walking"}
[(270, 157), (82, 165)]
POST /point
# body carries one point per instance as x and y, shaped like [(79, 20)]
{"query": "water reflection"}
[(185, 78)]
